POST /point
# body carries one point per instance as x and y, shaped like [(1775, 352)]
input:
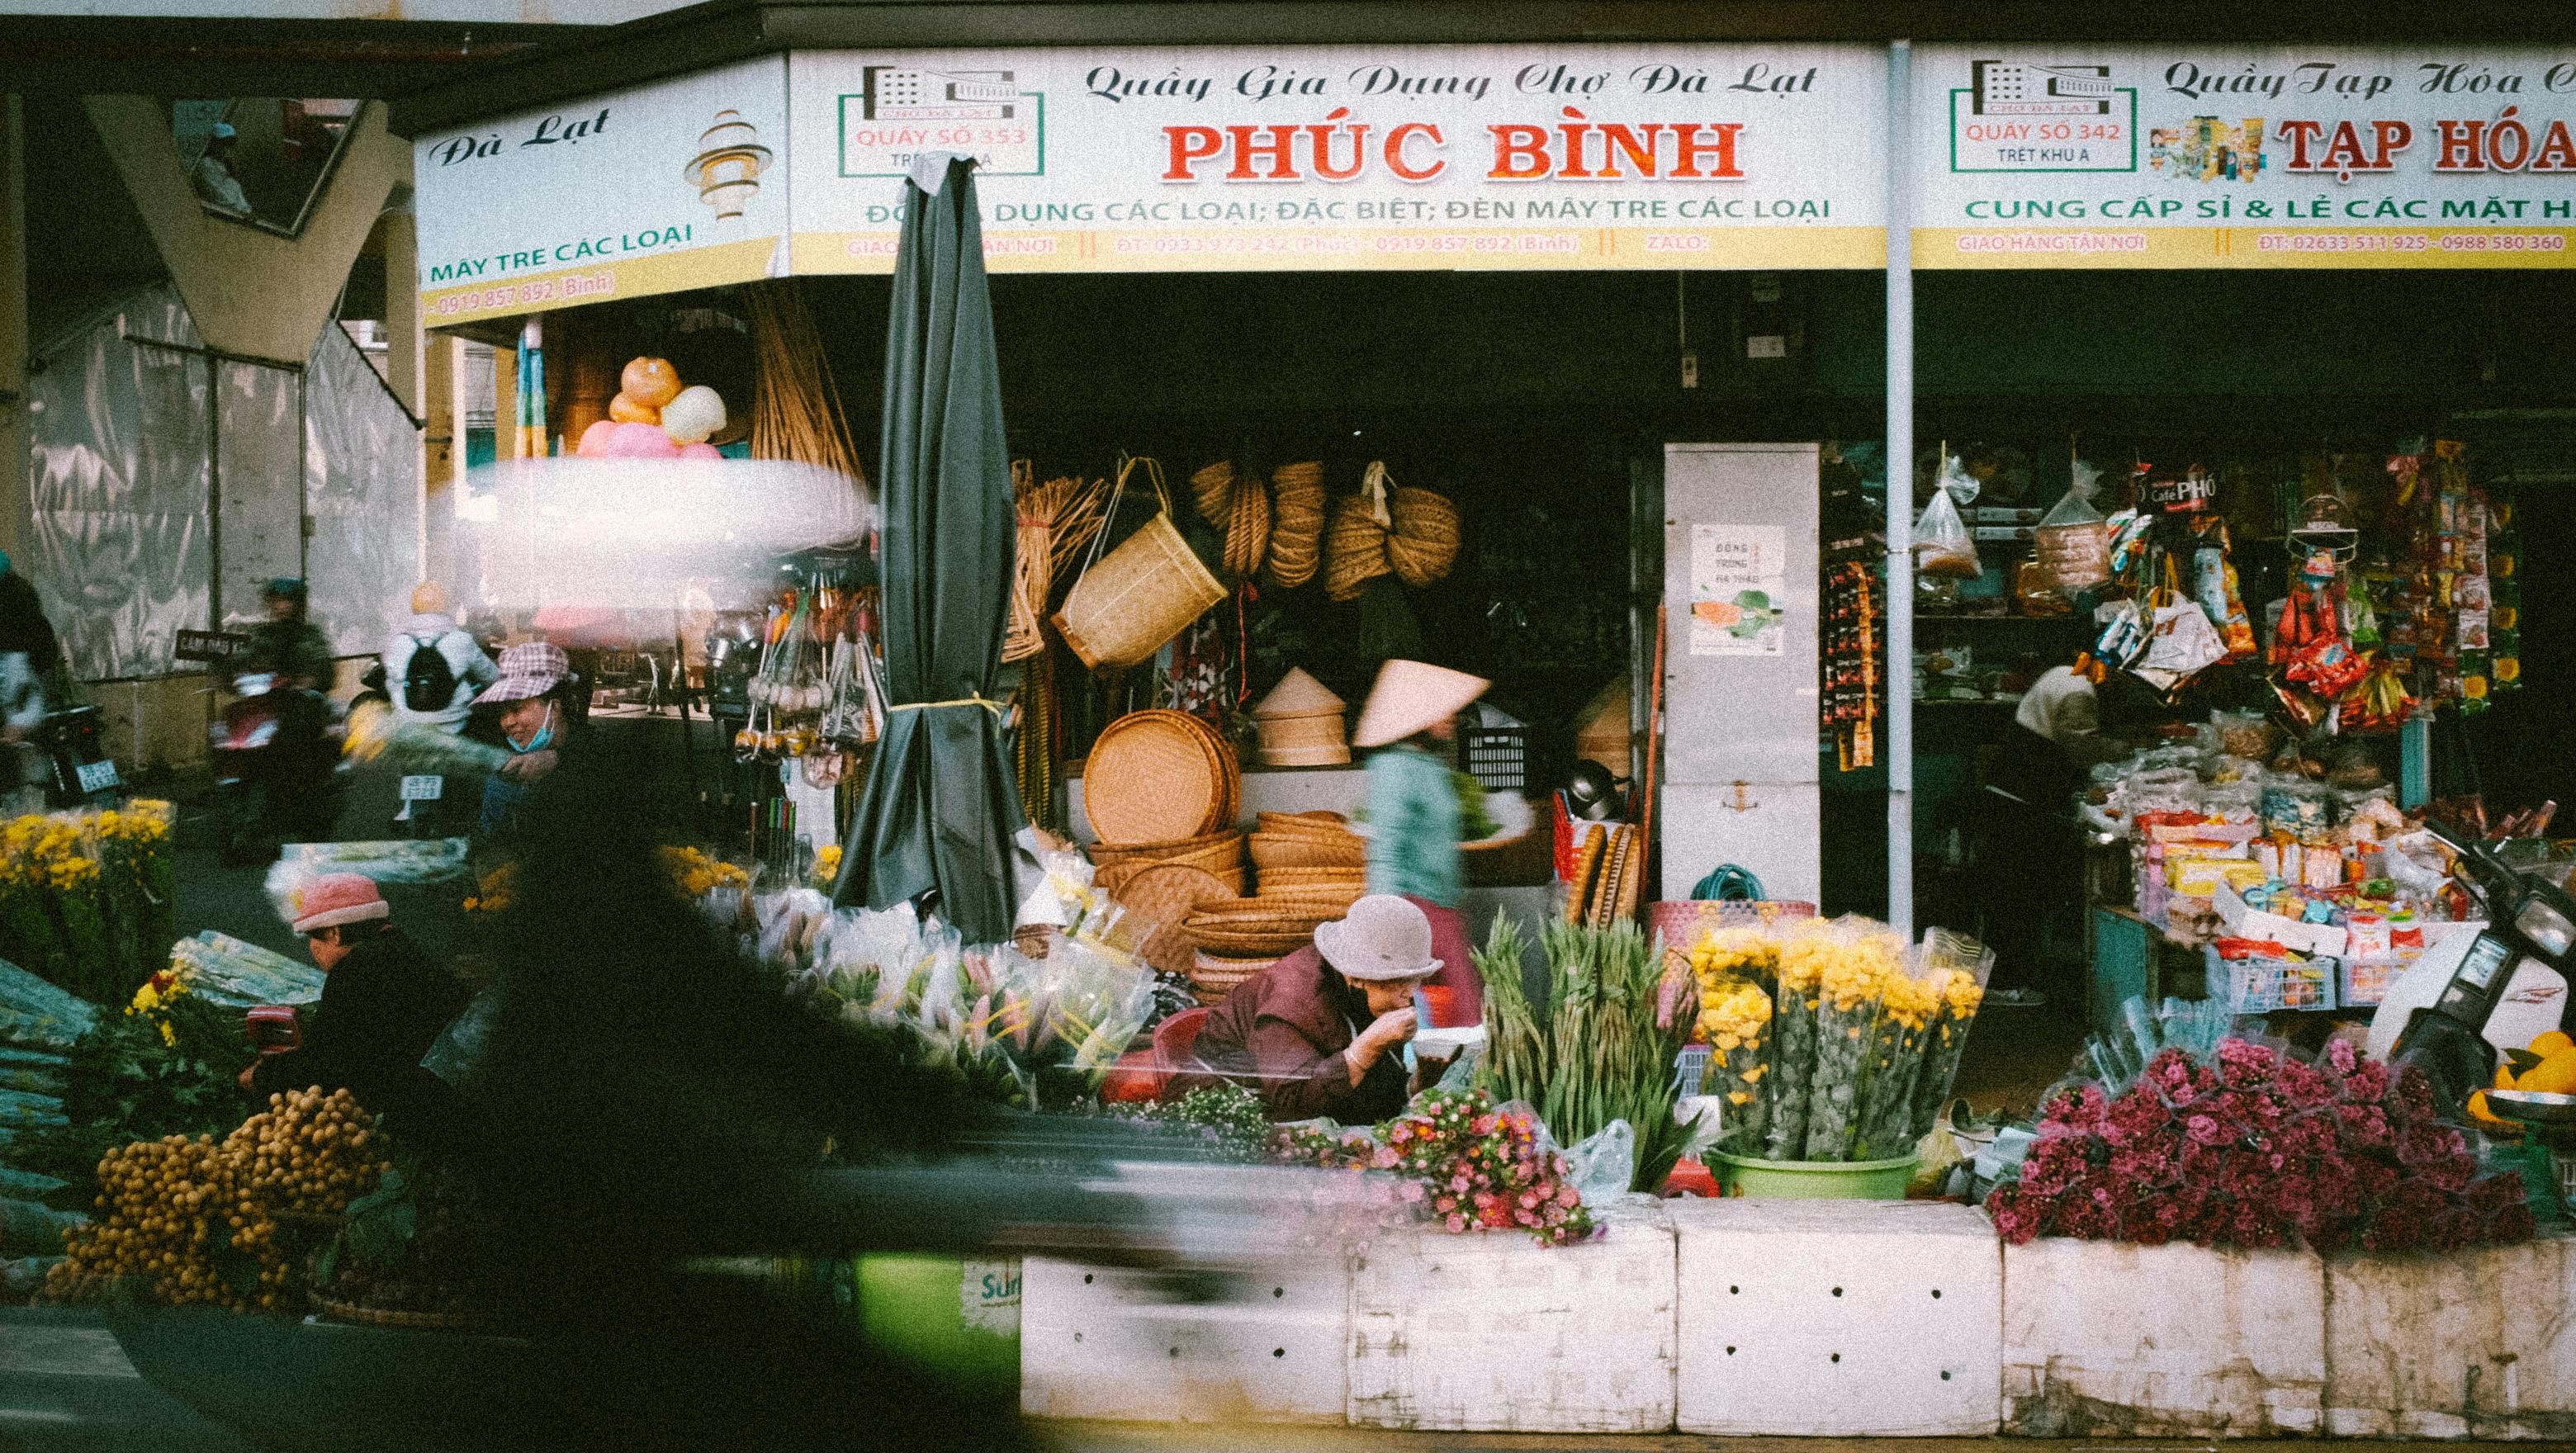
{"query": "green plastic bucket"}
[(958, 1320), (1816, 1180)]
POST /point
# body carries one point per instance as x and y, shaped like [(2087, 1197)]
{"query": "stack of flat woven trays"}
[(1309, 868), (1164, 786)]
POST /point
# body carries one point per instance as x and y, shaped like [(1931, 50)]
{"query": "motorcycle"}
[(425, 806), (2475, 995), (71, 753), (252, 760)]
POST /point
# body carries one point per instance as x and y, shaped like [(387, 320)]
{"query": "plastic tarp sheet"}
[(362, 489), (258, 486), (119, 544), (135, 445)]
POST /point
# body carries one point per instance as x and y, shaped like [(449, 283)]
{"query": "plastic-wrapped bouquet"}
[(1735, 1019), (2252, 1146), (1599, 1046), (1029, 1030), (1829, 1041), (1470, 1164)]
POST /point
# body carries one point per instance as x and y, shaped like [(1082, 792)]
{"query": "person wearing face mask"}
[(535, 725)]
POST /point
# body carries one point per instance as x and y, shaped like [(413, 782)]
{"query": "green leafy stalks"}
[(1599, 1047), (125, 1081)]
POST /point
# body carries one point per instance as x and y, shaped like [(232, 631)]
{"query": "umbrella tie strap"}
[(978, 699)]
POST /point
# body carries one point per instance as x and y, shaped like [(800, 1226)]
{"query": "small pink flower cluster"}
[(2257, 1148), (1477, 1167)]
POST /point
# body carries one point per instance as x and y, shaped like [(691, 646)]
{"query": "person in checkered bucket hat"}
[(535, 725)]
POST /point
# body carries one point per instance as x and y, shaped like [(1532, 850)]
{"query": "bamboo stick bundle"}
[(1074, 512), (1029, 568), (796, 411)]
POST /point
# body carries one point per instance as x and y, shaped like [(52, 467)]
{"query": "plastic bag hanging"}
[(1942, 544), (1956, 482), (2073, 542)]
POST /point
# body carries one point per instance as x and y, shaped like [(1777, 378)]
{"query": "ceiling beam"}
[(182, 56), (721, 31)]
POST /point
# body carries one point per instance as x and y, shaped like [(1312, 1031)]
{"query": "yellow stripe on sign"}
[(1570, 248), (635, 277), (1944, 248)]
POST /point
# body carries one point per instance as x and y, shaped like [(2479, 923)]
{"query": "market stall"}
[(1664, 1023)]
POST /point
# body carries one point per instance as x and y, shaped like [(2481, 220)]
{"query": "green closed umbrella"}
[(940, 810)]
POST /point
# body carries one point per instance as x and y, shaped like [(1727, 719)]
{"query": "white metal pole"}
[(1896, 687)]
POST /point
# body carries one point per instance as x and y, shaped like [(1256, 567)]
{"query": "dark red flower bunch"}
[(2257, 1148)]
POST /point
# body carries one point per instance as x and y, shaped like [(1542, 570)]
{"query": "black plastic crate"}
[(1499, 757)]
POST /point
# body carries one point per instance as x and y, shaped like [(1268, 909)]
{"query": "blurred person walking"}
[(645, 1099), (289, 658), (432, 671)]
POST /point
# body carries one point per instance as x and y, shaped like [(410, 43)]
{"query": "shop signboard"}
[(2191, 156), (1351, 158), (674, 185)]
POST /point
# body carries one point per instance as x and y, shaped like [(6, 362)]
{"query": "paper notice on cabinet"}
[(1736, 577)]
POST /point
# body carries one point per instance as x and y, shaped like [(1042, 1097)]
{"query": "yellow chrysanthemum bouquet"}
[(1832, 1041), (86, 897)]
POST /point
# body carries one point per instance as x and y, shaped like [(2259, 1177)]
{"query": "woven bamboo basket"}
[(1109, 854), (1117, 875), (1251, 942), (1158, 776), (1286, 878), (1213, 977), (1169, 894), (1412, 534), (1354, 549), (1270, 851), (1330, 825), (1129, 602), (1305, 854), (1306, 896), (1298, 917), (1303, 741), (1296, 524), (1222, 856), (1213, 488), (1247, 536), (1424, 543)]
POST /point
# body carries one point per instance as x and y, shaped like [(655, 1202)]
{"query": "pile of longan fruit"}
[(190, 1218)]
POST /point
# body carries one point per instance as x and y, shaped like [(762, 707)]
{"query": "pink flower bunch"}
[(2257, 1148), (1471, 1165)]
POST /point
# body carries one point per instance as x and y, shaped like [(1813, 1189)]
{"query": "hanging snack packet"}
[(1941, 541), (2073, 543)]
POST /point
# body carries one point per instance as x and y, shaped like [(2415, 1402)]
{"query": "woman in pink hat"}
[(383, 1005)]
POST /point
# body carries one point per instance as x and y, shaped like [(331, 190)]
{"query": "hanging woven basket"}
[(1296, 524), (1148, 590), (1412, 534)]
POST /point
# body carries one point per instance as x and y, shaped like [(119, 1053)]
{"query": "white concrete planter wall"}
[(1845, 1319), (2481, 1345), (1494, 1333), (2167, 1341), (1262, 1343), (1819, 1319)]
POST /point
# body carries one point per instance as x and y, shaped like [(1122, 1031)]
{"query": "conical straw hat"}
[(1298, 694), (1410, 696)]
